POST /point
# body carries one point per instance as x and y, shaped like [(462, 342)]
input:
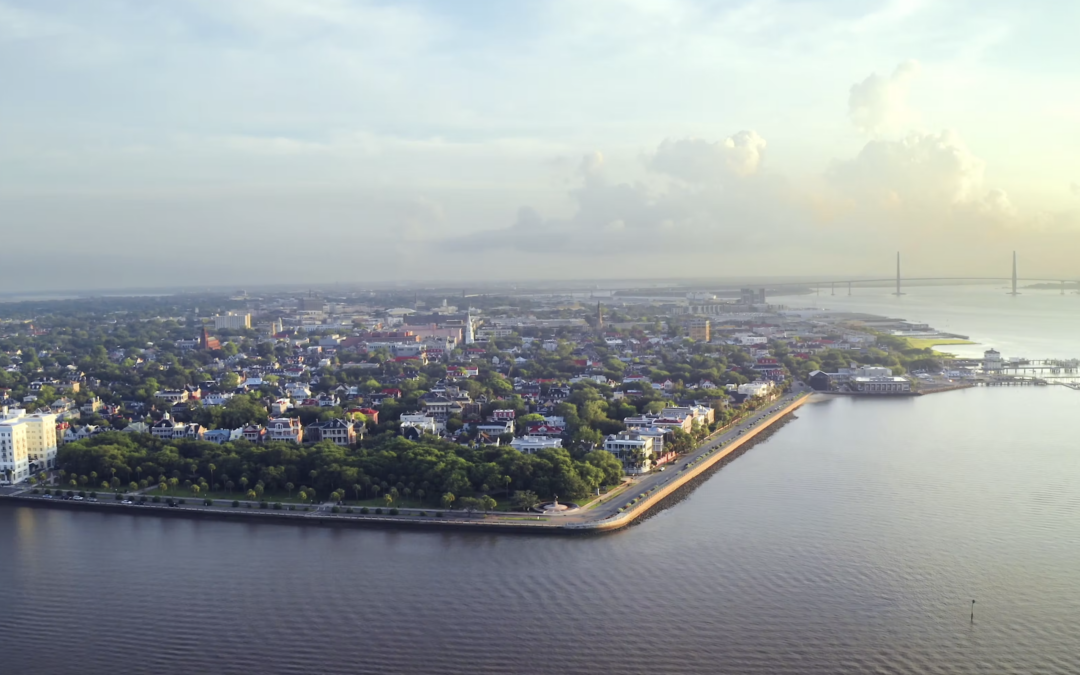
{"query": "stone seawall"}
[(685, 477)]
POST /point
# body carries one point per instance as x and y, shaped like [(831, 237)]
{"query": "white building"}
[(756, 389), (633, 449), (881, 385), (27, 444), (232, 321), (424, 423), (533, 444)]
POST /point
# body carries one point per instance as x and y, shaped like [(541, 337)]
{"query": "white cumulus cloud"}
[(879, 104), (698, 160)]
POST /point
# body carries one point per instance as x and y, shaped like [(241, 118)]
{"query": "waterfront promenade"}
[(621, 507)]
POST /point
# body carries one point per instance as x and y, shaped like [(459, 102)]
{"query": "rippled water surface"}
[(852, 541)]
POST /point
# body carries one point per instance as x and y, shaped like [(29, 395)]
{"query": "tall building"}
[(699, 329), (232, 321), (27, 445), (599, 317)]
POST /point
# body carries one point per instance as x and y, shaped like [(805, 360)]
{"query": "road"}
[(610, 507)]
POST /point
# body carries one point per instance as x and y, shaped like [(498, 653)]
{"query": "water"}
[(852, 541), (1037, 324)]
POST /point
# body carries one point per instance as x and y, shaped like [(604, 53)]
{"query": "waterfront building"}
[(881, 385), (27, 444), (752, 389), (634, 449)]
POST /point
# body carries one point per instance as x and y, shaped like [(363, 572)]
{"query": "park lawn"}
[(930, 343)]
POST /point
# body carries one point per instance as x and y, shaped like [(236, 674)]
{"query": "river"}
[(852, 541)]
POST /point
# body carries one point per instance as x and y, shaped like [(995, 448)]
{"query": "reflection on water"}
[(852, 541)]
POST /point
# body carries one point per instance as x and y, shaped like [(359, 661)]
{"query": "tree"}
[(251, 495), (211, 467), (195, 489), (487, 503), (163, 487), (302, 496), (448, 500), (356, 489), (388, 498), (525, 500), (290, 487)]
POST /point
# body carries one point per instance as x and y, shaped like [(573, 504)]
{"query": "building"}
[(635, 450), (173, 396), (532, 444), (232, 321), (698, 329), (752, 296), (27, 444), (284, 429), (14, 455), (422, 423), (338, 432), (470, 336), (881, 385), (208, 343), (756, 389), (819, 381)]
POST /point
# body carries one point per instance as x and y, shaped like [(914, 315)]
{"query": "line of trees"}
[(428, 468)]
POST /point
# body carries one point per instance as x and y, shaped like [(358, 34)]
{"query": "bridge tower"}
[(1013, 291), (898, 293)]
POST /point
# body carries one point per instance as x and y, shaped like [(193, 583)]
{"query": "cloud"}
[(721, 203), (921, 170), (879, 104), (698, 160)]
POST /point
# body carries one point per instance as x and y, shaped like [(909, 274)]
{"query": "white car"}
[(127, 501)]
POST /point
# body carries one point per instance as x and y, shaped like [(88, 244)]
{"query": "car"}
[(173, 504), (47, 496), (77, 498), (663, 468), (127, 501)]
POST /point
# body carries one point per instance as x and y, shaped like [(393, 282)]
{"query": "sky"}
[(148, 143)]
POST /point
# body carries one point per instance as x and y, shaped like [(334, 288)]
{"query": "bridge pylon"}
[(1014, 291)]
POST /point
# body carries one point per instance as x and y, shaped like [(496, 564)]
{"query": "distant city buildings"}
[(232, 321)]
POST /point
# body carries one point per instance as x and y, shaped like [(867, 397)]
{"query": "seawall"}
[(703, 465)]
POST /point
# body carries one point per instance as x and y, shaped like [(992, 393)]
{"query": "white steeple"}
[(469, 337)]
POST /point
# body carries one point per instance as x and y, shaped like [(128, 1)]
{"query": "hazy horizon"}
[(291, 142)]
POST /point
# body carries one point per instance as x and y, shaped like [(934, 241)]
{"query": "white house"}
[(532, 444)]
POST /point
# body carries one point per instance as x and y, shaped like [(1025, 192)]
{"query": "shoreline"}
[(699, 465)]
